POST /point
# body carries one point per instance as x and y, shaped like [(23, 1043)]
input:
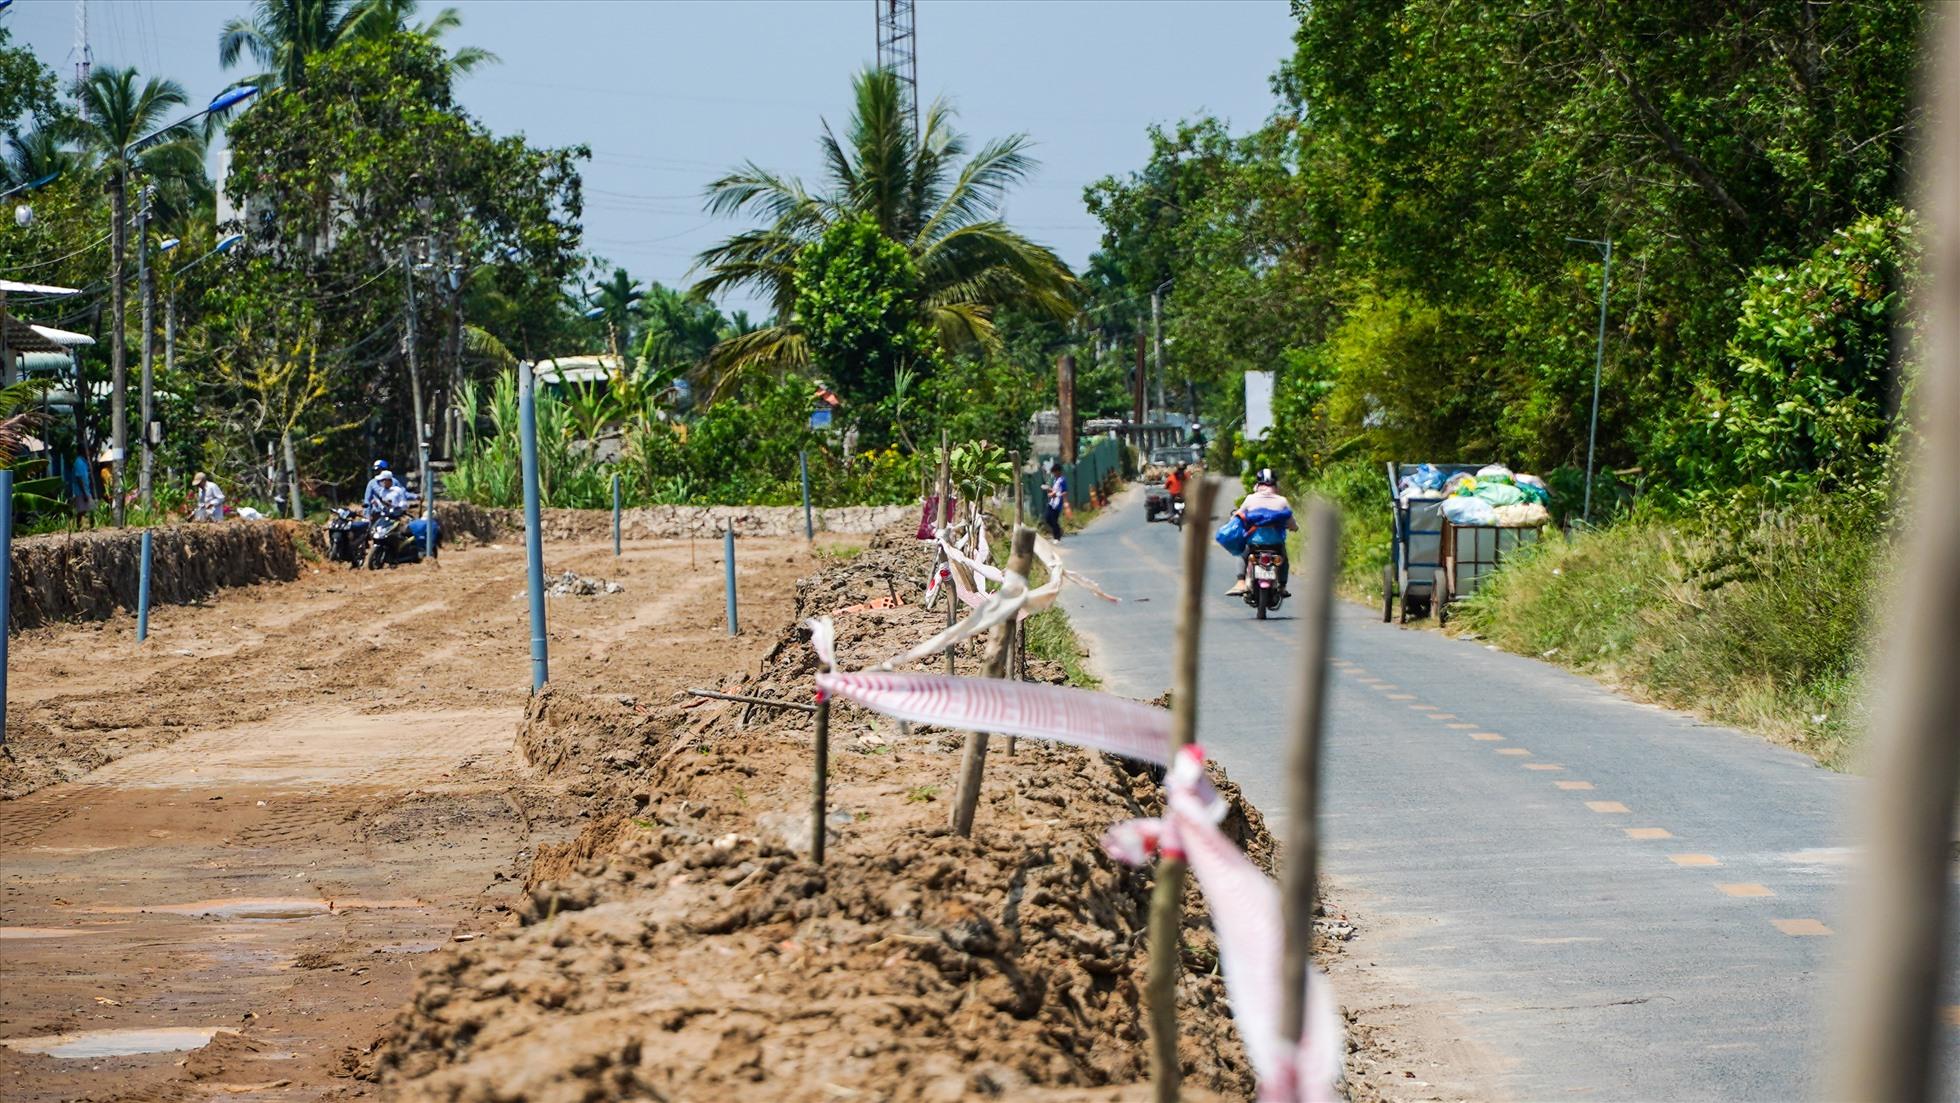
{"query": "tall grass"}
[(1758, 621)]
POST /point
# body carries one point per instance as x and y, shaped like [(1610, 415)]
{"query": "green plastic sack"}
[(1499, 494)]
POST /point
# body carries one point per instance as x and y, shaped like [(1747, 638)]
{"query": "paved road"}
[(1616, 901)]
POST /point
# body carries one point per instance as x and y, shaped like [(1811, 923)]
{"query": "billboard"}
[(1258, 404)]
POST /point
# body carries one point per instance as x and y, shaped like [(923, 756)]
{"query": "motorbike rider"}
[(1174, 482), (1267, 517), (371, 497), (388, 496)]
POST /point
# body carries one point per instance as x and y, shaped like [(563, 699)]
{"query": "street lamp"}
[(1599, 357), (119, 384)]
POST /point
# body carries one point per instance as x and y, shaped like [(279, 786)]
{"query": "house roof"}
[(22, 337), (578, 369), (14, 287)]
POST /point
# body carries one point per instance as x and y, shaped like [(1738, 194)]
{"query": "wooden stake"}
[(1167, 895), (1887, 1021), (939, 518), (819, 811), (1299, 880), (973, 760)]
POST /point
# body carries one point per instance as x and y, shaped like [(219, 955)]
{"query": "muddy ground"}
[(261, 827)]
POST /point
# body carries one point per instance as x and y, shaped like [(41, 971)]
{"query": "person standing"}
[(210, 500), (1057, 501)]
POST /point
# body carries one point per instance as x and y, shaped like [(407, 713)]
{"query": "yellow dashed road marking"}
[(1649, 833), (1424, 708), (1487, 737), (1401, 696), (1541, 766), (1745, 888), (1693, 859), (1459, 727), (1573, 784), (1606, 806), (1519, 751), (1802, 928), (1443, 716)]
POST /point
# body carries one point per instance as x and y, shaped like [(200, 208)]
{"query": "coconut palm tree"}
[(281, 35), (114, 114), (923, 191)]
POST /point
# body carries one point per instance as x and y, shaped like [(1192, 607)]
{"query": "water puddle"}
[(263, 907), (10, 933), (117, 1043)]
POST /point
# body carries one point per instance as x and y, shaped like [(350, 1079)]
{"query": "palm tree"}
[(620, 298), (945, 212), (282, 34), (37, 154), (115, 113)]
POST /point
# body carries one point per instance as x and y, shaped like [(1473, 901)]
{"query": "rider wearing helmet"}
[(372, 495), (1267, 517)]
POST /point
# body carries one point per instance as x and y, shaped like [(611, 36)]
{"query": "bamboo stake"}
[(939, 518), (1897, 942), (819, 810), (973, 760), (794, 706), (1167, 896), (1300, 879)]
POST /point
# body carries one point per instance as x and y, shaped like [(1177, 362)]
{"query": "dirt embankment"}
[(685, 947), (484, 525), (93, 575)]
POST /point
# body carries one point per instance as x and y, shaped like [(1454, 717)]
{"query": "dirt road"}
[(230, 847)]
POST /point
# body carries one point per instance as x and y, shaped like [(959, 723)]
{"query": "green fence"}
[(1094, 464)]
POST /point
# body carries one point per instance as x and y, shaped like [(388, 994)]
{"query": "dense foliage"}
[(1394, 241)]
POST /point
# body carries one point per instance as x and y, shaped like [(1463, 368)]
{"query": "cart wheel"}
[(1442, 599), (1388, 592)]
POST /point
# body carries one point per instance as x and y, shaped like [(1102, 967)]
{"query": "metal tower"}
[(898, 52), (84, 57)]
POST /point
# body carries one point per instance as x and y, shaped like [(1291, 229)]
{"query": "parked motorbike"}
[(1263, 591), (392, 542), (347, 537)]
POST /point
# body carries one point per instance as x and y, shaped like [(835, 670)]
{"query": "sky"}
[(670, 95)]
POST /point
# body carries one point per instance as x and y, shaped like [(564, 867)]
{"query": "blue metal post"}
[(6, 585), (527, 422), (615, 516), (803, 465), (728, 570), (428, 506), (143, 592)]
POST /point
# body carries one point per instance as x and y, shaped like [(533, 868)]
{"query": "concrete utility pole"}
[(1157, 336), (147, 279), (1065, 405), (1140, 387)]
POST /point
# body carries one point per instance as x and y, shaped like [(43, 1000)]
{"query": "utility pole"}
[(1065, 405), (147, 278), (118, 354), (408, 349), (1599, 358), (1157, 335), (1140, 387)]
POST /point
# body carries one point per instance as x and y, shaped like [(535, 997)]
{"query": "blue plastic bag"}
[(1232, 535)]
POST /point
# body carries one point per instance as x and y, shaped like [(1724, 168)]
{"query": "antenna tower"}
[(84, 57), (898, 53)]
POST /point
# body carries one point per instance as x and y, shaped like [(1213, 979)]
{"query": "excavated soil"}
[(93, 575), (685, 947)]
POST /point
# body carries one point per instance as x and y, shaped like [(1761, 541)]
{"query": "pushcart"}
[(1415, 555), (1469, 553)]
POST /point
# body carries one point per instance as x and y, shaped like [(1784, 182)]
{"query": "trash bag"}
[(1524, 515), (1535, 489), (1232, 535), (1498, 494), (1469, 510), (1495, 473), (1462, 482), (1427, 477)]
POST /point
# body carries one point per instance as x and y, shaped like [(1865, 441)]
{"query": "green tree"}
[(115, 113), (283, 36), (857, 293), (27, 89), (923, 193)]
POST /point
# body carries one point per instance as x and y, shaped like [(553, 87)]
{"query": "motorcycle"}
[(1262, 590), (1177, 512), (392, 541), (347, 537)]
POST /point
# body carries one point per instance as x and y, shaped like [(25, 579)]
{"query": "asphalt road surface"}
[(1614, 901)]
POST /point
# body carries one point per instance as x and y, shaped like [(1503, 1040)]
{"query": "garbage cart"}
[(1416, 554), (1469, 553)]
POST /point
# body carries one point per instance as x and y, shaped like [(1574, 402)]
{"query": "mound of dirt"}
[(93, 575), (483, 525), (685, 947)]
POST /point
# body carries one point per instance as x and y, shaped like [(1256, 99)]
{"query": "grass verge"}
[(1760, 623), (1051, 637)]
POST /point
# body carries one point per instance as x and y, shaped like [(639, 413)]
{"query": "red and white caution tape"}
[(1034, 710), (1245, 913)]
